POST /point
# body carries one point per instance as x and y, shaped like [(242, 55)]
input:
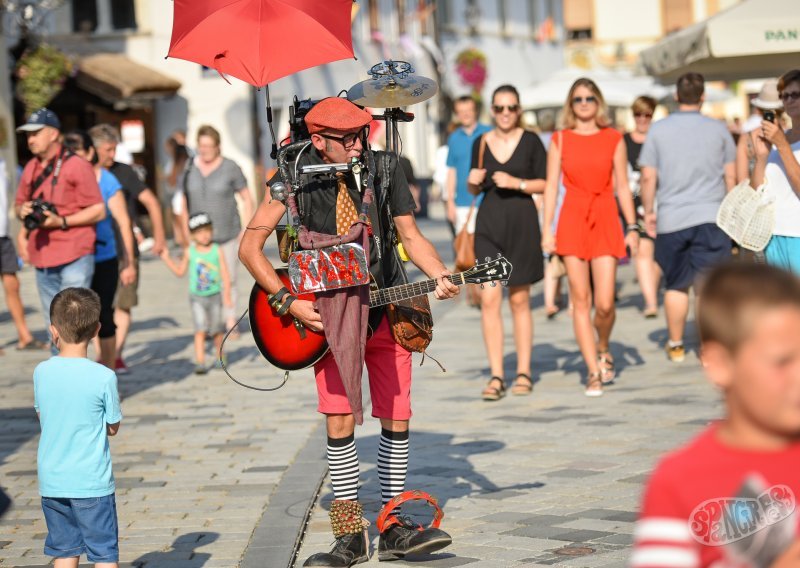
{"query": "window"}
[(677, 14), (578, 19), (533, 16), (502, 16), (103, 15), (84, 16), (123, 14)]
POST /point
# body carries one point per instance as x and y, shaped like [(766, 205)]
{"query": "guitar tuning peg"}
[(494, 283), (504, 283), (488, 258)]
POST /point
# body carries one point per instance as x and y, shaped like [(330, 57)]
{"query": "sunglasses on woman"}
[(787, 96), (500, 108), (581, 100)]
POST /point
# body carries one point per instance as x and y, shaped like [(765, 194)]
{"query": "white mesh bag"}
[(747, 215)]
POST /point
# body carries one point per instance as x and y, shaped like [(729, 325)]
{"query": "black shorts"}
[(104, 282), (8, 256), (685, 255)]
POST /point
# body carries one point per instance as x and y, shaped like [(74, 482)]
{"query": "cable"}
[(225, 368)]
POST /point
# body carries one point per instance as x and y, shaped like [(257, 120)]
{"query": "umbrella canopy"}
[(259, 41), (756, 38)]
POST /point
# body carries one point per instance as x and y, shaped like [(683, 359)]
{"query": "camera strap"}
[(54, 167)]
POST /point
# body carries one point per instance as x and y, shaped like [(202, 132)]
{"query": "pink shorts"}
[(389, 370)]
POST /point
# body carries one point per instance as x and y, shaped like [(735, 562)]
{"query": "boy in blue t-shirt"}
[(78, 407)]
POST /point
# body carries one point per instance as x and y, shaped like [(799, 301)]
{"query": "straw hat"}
[(768, 97)]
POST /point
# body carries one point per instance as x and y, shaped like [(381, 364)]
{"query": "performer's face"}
[(338, 146)]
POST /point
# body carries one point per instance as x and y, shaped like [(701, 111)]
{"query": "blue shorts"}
[(784, 252), (77, 526), (685, 255)]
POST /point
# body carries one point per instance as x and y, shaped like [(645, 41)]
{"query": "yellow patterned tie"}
[(346, 212)]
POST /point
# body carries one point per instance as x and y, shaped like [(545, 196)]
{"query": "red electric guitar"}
[(289, 345)]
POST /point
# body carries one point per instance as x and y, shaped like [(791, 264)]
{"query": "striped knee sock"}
[(392, 463), (343, 466)]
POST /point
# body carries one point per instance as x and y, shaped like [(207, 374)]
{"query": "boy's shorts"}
[(78, 526), (207, 313), (686, 255), (389, 369)]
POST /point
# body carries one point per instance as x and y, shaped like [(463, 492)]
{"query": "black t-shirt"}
[(132, 187), (634, 149), (408, 170), (317, 204)]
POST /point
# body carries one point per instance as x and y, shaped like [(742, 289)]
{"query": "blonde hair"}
[(568, 118)]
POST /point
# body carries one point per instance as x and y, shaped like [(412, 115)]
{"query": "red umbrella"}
[(259, 41)]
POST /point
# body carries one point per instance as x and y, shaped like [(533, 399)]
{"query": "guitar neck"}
[(394, 294)]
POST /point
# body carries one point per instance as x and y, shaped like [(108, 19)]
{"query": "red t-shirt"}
[(689, 516), (76, 189)]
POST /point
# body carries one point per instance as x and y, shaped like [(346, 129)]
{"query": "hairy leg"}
[(676, 306)]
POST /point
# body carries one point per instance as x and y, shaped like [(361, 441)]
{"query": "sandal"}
[(594, 385), (606, 363), (523, 385), (493, 393)]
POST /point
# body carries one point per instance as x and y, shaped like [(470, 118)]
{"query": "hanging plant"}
[(41, 74), (471, 69)]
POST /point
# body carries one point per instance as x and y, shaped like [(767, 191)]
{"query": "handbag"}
[(747, 215), (557, 267), (464, 242)]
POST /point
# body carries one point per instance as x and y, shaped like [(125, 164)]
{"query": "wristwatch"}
[(522, 185), (64, 225)]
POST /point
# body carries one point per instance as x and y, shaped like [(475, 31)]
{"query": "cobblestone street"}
[(203, 466)]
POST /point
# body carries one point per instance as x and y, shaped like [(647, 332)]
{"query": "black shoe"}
[(405, 539), (349, 549)]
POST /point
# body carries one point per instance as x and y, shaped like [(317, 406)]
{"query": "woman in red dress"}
[(591, 157)]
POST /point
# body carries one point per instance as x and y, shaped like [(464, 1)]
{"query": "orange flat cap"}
[(336, 113)]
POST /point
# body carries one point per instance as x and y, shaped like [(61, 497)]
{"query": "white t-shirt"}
[(787, 203), (3, 199)]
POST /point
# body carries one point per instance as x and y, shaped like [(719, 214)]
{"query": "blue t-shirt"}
[(106, 243), (75, 398), (459, 156)]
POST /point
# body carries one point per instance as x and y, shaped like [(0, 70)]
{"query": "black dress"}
[(507, 221)]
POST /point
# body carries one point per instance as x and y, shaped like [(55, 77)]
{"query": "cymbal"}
[(392, 91)]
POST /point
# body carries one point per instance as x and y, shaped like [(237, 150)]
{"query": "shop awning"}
[(756, 38), (118, 79)]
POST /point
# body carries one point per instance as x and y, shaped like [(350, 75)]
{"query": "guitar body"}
[(277, 338)]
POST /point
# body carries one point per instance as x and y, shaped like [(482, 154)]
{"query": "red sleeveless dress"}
[(589, 224)]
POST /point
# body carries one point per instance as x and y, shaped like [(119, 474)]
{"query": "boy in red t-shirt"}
[(729, 498)]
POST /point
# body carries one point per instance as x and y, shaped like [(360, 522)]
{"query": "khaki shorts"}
[(128, 296)]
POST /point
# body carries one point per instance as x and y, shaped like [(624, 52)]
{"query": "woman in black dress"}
[(513, 168)]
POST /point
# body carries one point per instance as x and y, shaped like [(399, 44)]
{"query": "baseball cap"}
[(39, 119), (199, 220)]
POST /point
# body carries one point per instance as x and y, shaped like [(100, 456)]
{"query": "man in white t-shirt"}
[(8, 271)]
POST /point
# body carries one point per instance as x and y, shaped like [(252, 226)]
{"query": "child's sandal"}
[(523, 385), (491, 392)]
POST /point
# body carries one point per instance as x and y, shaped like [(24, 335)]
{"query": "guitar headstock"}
[(489, 271)]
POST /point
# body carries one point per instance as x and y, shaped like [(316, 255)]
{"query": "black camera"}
[(297, 114), (769, 116), (35, 218)]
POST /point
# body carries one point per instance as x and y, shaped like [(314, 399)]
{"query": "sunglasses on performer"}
[(581, 100), (348, 140), (790, 96), (643, 114), (498, 109)]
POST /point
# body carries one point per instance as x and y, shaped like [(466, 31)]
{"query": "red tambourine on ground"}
[(386, 519)]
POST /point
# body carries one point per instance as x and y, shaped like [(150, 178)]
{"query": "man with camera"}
[(59, 202)]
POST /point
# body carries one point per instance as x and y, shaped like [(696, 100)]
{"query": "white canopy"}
[(619, 88), (756, 38)]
